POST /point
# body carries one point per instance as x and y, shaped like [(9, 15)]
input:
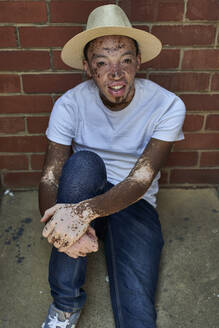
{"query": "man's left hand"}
[(68, 223)]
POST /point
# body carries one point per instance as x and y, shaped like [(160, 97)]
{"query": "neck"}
[(118, 104)]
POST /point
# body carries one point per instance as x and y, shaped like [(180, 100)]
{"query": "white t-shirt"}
[(118, 137)]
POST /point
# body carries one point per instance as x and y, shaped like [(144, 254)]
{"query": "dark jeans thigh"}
[(133, 247)]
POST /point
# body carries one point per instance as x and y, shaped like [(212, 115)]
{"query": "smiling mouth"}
[(116, 90), (117, 87)]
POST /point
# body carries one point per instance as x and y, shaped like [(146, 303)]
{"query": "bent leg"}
[(133, 247), (83, 176)]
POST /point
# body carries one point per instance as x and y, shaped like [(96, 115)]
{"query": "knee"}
[(84, 160), (83, 176)]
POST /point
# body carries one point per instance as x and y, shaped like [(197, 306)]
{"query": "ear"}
[(86, 68)]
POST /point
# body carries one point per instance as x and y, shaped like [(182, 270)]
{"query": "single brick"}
[(193, 176), (8, 37), (153, 11), (212, 122), (13, 162), (9, 83), (21, 179), (182, 81), (199, 141), (47, 83), (48, 36), (193, 123), (37, 161), (168, 58), (207, 59), (25, 104), (215, 82), (187, 35), (12, 125), (57, 61), (23, 12), (19, 144), (210, 158), (23, 60), (73, 11), (37, 124), (203, 10), (182, 159), (200, 102)]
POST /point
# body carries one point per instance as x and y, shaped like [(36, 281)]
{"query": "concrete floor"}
[(188, 291)]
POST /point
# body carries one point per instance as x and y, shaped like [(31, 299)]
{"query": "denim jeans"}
[(133, 244)]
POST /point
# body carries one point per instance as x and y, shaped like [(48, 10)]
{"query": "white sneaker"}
[(59, 319)]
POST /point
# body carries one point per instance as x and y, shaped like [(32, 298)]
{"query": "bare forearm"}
[(119, 197), (47, 196), (55, 158), (135, 185)]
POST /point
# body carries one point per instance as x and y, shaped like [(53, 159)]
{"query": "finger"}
[(75, 247), (87, 244), (82, 254), (74, 256), (50, 239), (48, 213), (47, 230), (91, 232), (67, 244), (57, 243), (92, 246)]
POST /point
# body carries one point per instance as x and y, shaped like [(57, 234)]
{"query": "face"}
[(112, 63)]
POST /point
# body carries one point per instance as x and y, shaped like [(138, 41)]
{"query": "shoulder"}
[(154, 89), (158, 96)]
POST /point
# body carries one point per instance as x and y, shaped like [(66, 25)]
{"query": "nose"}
[(116, 72)]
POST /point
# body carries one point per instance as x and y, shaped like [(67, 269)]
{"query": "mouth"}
[(117, 90)]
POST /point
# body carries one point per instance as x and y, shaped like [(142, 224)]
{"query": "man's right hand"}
[(88, 243)]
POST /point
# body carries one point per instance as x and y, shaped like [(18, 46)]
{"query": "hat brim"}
[(72, 52)]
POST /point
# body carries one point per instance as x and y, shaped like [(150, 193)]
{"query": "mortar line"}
[(216, 36), (185, 11)]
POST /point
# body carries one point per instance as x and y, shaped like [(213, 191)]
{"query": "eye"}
[(100, 64), (127, 61)]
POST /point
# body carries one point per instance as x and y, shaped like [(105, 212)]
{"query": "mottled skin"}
[(113, 60), (112, 63), (55, 158)]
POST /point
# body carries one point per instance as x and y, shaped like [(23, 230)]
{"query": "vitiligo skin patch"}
[(71, 221), (49, 177)]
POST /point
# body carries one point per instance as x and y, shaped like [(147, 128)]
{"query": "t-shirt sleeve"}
[(62, 126), (169, 125)]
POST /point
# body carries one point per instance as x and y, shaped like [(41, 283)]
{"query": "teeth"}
[(117, 87)]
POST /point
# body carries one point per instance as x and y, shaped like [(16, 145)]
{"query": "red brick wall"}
[(32, 76)]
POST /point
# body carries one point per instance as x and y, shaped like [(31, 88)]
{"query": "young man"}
[(121, 130)]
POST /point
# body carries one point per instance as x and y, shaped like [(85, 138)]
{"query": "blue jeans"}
[(133, 244)]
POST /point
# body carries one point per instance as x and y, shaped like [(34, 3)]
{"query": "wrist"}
[(85, 211)]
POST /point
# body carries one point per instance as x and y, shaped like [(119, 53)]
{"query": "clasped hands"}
[(69, 230)]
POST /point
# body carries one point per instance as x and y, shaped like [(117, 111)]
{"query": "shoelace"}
[(54, 321)]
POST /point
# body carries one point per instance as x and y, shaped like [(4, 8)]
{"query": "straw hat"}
[(109, 20)]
